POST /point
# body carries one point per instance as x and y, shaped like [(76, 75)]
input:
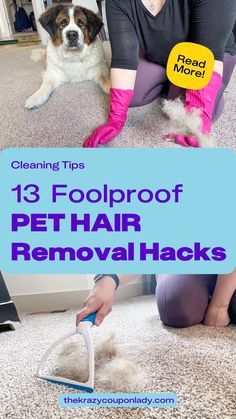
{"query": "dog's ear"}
[(94, 23), (48, 19)]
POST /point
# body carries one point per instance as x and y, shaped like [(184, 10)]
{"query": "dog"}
[(74, 51)]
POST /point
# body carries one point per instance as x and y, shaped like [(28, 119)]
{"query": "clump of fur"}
[(120, 374), (186, 123), (108, 348), (112, 370), (70, 363)]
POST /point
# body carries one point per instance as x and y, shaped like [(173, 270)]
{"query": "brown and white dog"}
[(74, 51)]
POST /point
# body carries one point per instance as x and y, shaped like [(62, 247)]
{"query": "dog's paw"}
[(106, 86), (34, 101)]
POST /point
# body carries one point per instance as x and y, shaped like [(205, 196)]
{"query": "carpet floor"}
[(196, 363), (74, 111)]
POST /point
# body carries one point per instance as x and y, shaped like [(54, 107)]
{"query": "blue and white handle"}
[(84, 328), (90, 318)]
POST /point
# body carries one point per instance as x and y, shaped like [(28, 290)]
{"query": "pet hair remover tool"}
[(84, 329)]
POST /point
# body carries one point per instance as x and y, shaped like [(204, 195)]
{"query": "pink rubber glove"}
[(203, 99), (119, 104)]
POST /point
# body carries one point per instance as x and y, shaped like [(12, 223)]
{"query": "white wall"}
[(37, 293), (4, 27), (38, 7), (33, 293), (41, 284), (89, 4)]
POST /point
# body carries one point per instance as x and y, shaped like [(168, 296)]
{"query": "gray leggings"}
[(151, 79), (182, 300)]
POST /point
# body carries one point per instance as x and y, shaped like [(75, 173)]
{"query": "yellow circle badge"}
[(190, 65)]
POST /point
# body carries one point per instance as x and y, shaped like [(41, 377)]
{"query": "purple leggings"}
[(182, 300), (151, 79)]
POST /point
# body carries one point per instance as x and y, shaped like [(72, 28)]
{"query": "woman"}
[(182, 300), (154, 27)]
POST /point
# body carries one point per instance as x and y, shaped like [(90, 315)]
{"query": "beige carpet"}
[(74, 111), (197, 363)]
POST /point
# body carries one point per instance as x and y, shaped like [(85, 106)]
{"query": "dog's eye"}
[(80, 24), (63, 23)]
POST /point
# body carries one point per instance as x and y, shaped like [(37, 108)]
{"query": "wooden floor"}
[(24, 39), (27, 39)]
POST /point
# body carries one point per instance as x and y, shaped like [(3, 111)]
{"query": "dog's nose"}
[(72, 35)]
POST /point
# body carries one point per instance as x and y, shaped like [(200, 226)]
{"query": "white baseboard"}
[(47, 302), (129, 291), (53, 301)]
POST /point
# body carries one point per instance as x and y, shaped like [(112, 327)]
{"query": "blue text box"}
[(118, 400), (203, 217)]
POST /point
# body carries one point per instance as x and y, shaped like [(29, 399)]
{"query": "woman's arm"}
[(125, 54), (218, 67), (217, 313), (101, 297), (211, 23), (122, 79)]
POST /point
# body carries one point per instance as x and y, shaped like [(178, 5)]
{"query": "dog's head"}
[(72, 26)]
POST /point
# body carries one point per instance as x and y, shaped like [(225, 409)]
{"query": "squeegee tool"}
[(84, 329)]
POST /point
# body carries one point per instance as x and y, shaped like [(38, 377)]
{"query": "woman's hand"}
[(119, 104), (217, 312), (103, 134), (216, 316), (203, 100), (100, 299), (184, 140)]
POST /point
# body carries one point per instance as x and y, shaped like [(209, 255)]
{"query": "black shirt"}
[(133, 28)]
